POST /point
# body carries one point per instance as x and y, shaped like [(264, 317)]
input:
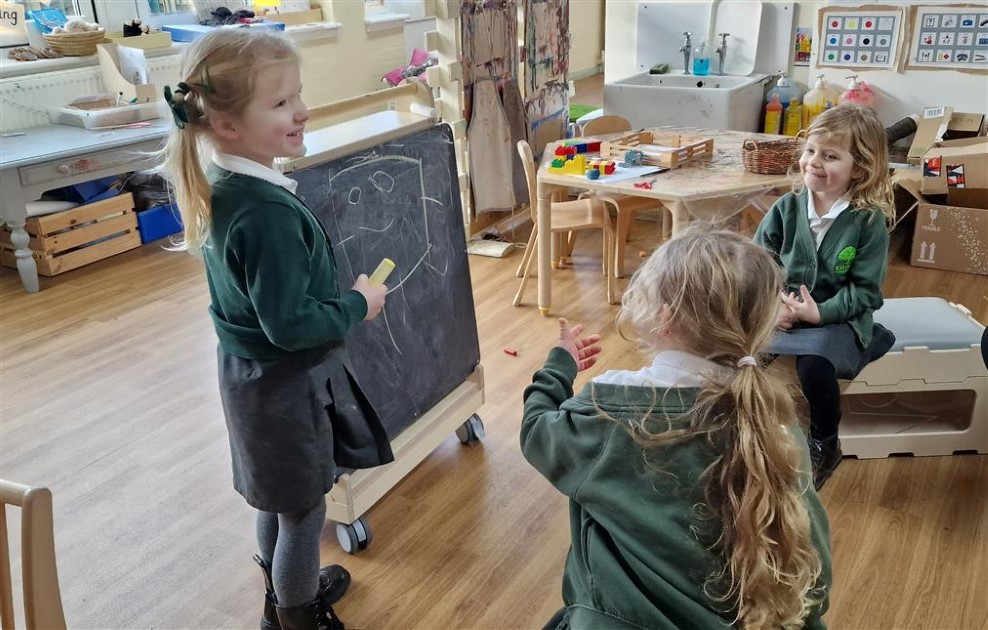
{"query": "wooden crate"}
[(668, 149), (68, 240)]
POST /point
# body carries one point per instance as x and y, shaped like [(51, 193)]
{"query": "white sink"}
[(728, 102)]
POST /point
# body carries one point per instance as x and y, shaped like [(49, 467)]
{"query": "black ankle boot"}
[(334, 581), (825, 455), (312, 616)]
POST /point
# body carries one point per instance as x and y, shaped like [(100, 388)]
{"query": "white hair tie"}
[(747, 361)]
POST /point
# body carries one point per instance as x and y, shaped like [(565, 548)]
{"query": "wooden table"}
[(39, 159), (712, 189)]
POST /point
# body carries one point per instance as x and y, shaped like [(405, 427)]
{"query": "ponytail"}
[(771, 566), (183, 163)]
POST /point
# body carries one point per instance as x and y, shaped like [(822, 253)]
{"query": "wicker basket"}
[(772, 157), (75, 44)]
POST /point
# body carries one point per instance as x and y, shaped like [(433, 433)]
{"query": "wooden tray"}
[(677, 149), (67, 240)]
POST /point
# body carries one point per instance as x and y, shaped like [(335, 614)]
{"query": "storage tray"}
[(668, 149)]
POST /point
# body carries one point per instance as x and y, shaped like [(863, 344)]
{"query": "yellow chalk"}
[(382, 272)]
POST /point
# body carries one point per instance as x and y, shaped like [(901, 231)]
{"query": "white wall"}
[(586, 25), (354, 62)]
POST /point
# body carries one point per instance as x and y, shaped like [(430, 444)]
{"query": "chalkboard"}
[(401, 200)]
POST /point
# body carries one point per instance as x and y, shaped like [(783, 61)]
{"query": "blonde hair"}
[(219, 71), (722, 291), (870, 187)]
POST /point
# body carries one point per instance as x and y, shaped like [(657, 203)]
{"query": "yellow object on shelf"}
[(793, 118), (294, 18), (150, 41)]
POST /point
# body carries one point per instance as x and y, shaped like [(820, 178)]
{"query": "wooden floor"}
[(109, 397)]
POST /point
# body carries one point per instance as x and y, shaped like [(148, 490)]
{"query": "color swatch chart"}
[(860, 39), (950, 37)]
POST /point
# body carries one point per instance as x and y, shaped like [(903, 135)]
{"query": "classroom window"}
[(71, 8)]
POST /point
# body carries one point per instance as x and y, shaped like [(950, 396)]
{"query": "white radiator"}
[(24, 100)]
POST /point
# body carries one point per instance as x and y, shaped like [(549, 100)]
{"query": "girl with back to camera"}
[(293, 408), (830, 235), (691, 499)]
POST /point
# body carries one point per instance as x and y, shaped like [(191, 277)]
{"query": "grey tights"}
[(289, 543)]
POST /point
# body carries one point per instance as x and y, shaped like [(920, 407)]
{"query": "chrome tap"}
[(722, 52), (687, 50)]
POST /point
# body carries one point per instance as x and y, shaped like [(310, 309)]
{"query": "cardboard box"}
[(953, 237), (963, 125), (955, 164), (931, 127)]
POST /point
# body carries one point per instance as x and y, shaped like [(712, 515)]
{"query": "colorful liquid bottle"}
[(858, 92), (793, 118), (773, 115), (701, 60), (817, 100)]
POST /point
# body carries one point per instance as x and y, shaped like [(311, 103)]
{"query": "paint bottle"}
[(817, 100), (773, 115), (793, 118), (701, 60), (785, 89), (858, 92)]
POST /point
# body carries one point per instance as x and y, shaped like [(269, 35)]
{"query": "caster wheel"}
[(355, 536), (471, 431)]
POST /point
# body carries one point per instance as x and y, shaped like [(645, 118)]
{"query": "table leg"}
[(13, 208), (26, 265), (545, 247), (680, 216)]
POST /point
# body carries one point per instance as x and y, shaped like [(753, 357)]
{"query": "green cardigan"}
[(845, 276), (633, 561), (271, 273)]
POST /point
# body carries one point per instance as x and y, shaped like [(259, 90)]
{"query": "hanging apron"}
[(514, 111), (489, 145)]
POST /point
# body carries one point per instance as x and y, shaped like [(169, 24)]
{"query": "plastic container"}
[(701, 60), (785, 89), (858, 92), (817, 100), (792, 120), (773, 115), (191, 32), (107, 117), (157, 223)]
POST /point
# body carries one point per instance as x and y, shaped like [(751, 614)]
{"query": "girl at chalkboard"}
[(293, 408), (691, 497)]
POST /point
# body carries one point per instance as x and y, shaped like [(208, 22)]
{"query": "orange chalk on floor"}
[(511, 351)]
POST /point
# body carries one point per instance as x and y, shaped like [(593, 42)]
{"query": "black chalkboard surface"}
[(401, 200)]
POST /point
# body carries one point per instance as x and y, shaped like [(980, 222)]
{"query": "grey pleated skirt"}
[(292, 421), (836, 343)]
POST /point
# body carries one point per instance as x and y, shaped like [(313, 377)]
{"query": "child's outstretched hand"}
[(373, 293), (584, 350), (804, 307)]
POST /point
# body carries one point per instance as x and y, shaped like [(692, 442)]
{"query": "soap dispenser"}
[(785, 89), (858, 92), (701, 60), (817, 100)]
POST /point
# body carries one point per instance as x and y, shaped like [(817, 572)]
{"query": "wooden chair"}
[(42, 599), (566, 217), (606, 124), (625, 206)]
